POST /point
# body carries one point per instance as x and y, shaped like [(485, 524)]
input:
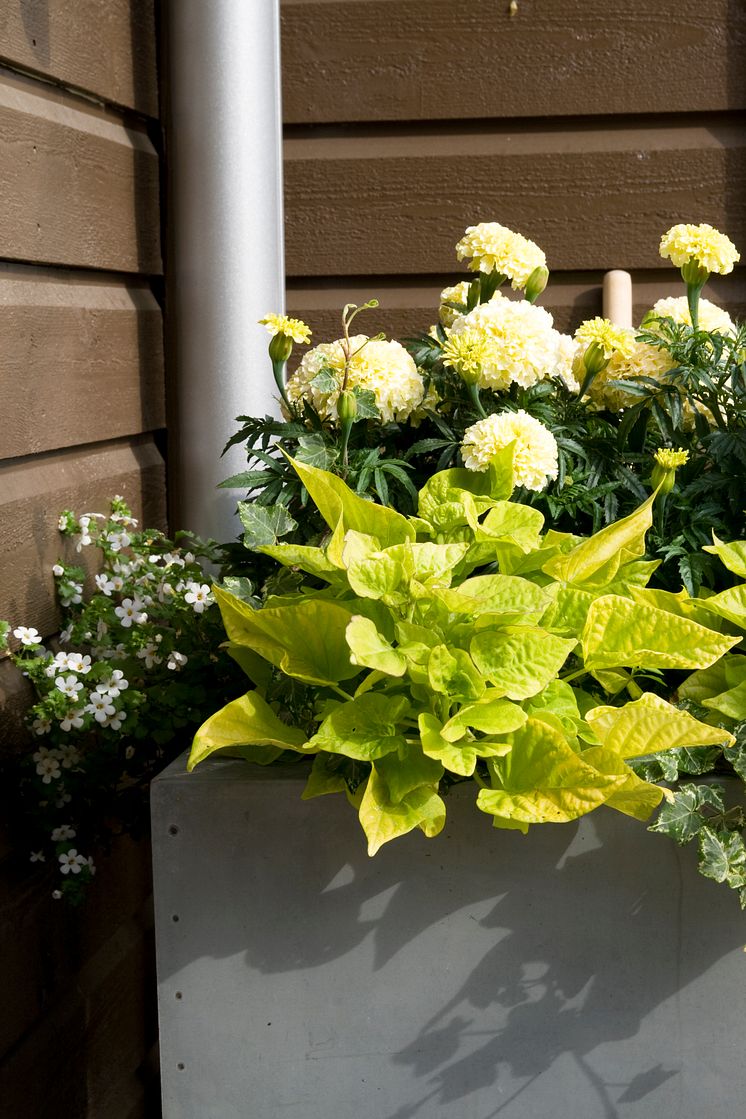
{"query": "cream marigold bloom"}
[(459, 293), (711, 249), (521, 344), (490, 246), (567, 350), (289, 328), (466, 353), (644, 361), (384, 368), (612, 338), (534, 454), (711, 317)]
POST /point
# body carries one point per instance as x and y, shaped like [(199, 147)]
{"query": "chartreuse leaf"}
[(459, 757), (519, 660), (491, 714), (451, 672), (263, 523), (258, 670), (247, 726), (379, 576), (569, 609), (450, 486), (543, 780), (384, 818), (606, 550), (686, 813), (430, 564), (733, 555), (325, 777), (364, 728), (498, 594), (634, 797), (649, 725), (710, 683), (370, 648), (722, 856), (306, 638), (337, 503), (730, 604), (312, 560), (621, 633), (560, 699)]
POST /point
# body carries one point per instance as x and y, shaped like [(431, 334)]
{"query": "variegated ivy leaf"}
[(722, 857), (263, 524), (688, 812)]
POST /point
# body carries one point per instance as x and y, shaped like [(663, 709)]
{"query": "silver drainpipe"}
[(225, 253)]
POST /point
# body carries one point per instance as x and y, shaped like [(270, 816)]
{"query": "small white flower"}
[(120, 567), (66, 634), (101, 630), (189, 557), (198, 595), (62, 523), (70, 593), (44, 752), (27, 635), (62, 833), (58, 570), (49, 770), (56, 894), (117, 540), (37, 857), (149, 654), (129, 753), (84, 539), (91, 866), (114, 722), (72, 862), (68, 755), (131, 611), (69, 686), (78, 663), (41, 725), (62, 800), (100, 707), (176, 661), (72, 720), (116, 684)]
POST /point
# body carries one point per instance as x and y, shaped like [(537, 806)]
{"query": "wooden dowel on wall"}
[(617, 297)]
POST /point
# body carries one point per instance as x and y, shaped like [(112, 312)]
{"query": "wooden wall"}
[(81, 406), (591, 126)]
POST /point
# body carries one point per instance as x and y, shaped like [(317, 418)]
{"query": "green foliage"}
[(434, 651)]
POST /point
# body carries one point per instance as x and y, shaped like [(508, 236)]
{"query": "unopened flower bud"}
[(667, 462), (536, 283), (594, 359), (280, 347), (346, 407), (694, 274)]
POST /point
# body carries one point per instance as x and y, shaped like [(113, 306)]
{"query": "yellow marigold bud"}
[(346, 407), (466, 354), (294, 329), (667, 461), (536, 283), (703, 246)]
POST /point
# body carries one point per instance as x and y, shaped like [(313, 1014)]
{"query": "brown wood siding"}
[(82, 403), (589, 127)]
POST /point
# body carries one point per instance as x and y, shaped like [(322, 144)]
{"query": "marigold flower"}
[(493, 247), (612, 338), (383, 368), (466, 353), (712, 250), (521, 345), (295, 329), (535, 448), (459, 294), (670, 459), (711, 317)]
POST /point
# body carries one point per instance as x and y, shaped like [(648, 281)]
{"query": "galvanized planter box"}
[(580, 971)]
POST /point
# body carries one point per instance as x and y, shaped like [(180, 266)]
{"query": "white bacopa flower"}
[(63, 833), (69, 755), (130, 612), (37, 857), (62, 522), (27, 635), (71, 862), (115, 684), (41, 725), (48, 769), (129, 753), (117, 540), (176, 661), (115, 721), (58, 570), (198, 595), (69, 686), (149, 654), (44, 752), (66, 634), (70, 593), (534, 452), (62, 800), (72, 720), (79, 663), (520, 347), (100, 707), (383, 368)]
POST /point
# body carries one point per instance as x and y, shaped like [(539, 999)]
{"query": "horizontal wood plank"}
[(372, 60), (82, 360), (33, 492), (79, 187), (105, 47), (408, 308), (593, 198)]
